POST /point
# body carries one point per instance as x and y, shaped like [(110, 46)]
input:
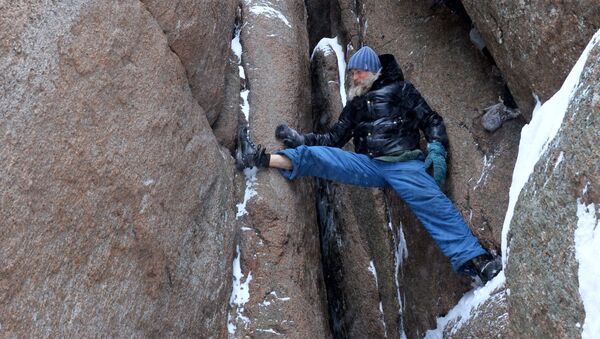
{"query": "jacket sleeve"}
[(428, 120), (339, 134)]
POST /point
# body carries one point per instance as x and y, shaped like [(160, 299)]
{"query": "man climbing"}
[(383, 116)]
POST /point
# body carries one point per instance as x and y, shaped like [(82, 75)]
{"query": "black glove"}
[(289, 136)]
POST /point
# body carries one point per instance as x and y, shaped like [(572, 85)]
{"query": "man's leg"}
[(327, 163), (317, 161), (435, 211), (280, 161)]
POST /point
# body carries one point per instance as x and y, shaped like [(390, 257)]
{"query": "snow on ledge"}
[(331, 44), (269, 12), (465, 307)]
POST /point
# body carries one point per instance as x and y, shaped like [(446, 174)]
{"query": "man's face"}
[(361, 82), (358, 76)]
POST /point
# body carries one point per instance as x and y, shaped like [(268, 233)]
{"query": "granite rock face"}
[(117, 208), (433, 49), (542, 270), (535, 43), (279, 245), (200, 32)]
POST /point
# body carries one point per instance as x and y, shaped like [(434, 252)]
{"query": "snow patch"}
[(382, 318), (401, 249), (587, 252), (466, 305), (250, 192), (148, 182), (331, 44), (278, 298), (236, 47), (560, 158), (240, 294), (266, 303), (268, 330), (230, 325), (269, 12), (371, 269), (487, 165), (245, 104), (400, 254)]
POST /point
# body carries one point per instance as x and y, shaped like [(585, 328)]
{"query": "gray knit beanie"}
[(365, 59)]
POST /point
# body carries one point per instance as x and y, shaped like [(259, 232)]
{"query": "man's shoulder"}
[(405, 84), (401, 85), (398, 88), (407, 88), (391, 86)]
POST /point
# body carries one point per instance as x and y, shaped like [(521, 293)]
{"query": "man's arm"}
[(432, 125), (428, 120), (337, 136)]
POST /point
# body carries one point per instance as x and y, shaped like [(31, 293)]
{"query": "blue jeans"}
[(410, 181)]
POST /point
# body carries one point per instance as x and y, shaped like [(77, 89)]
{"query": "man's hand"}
[(289, 136), (437, 156)]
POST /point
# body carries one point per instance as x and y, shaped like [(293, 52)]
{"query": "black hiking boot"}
[(248, 154), (483, 267)]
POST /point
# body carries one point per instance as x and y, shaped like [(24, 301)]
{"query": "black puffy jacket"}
[(386, 120)]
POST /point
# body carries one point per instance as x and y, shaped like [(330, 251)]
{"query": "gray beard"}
[(362, 87)]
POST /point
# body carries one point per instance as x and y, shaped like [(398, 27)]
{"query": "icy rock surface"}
[(547, 288)]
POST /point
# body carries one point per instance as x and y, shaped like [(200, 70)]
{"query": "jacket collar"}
[(390, 72)]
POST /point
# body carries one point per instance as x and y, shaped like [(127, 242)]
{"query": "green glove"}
[(437, 156)]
